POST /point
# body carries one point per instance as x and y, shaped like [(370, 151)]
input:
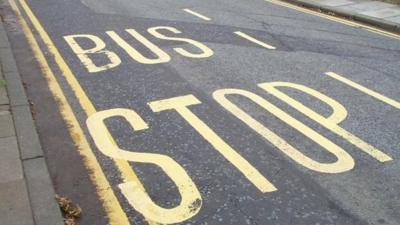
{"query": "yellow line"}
[(114, 211), (336, 19), (197, 14), (243, 35), (368, 91)]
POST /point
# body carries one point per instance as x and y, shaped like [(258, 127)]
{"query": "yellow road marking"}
[(332, 122), (180, 104), (205, 51), (344, 161), (336, 19), (99, 48), (367, 91), (161, 56), (197, 14), (190, 201), (114, 211), (243, 35)]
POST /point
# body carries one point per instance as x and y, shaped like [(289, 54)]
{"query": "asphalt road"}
[(184, 89)]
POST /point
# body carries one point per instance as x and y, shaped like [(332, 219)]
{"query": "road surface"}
[(213, 112)]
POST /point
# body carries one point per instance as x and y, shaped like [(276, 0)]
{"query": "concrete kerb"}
[(386, 25), (40, 189), (26, 133), (3, 38)]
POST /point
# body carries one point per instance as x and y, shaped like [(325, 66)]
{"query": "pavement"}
[(376, 13), (26, 191), (199, 112)]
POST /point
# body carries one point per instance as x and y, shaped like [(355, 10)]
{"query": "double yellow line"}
[(115, 213)]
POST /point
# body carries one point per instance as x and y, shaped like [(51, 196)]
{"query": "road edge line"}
[(103, 188), (123, 166)]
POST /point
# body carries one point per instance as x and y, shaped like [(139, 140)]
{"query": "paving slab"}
[(10, 163), (395, 19), (3, 92), (371, 6), (7, 60), (6, 123), (14, 207), (380, 14), (337, 2), (363, 7), (383, 13), (15, 90)]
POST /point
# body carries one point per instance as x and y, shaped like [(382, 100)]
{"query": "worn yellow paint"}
[(99, 48), (331, 123), (197, 14), (366, 90), (344, 161), (246, 36), (205, 51), (162, 57), (114, 211), (336, 19), (190, 197), (180, 105)]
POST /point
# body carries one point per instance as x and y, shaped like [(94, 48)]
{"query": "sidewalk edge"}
[(380, 23), (41, 193)]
